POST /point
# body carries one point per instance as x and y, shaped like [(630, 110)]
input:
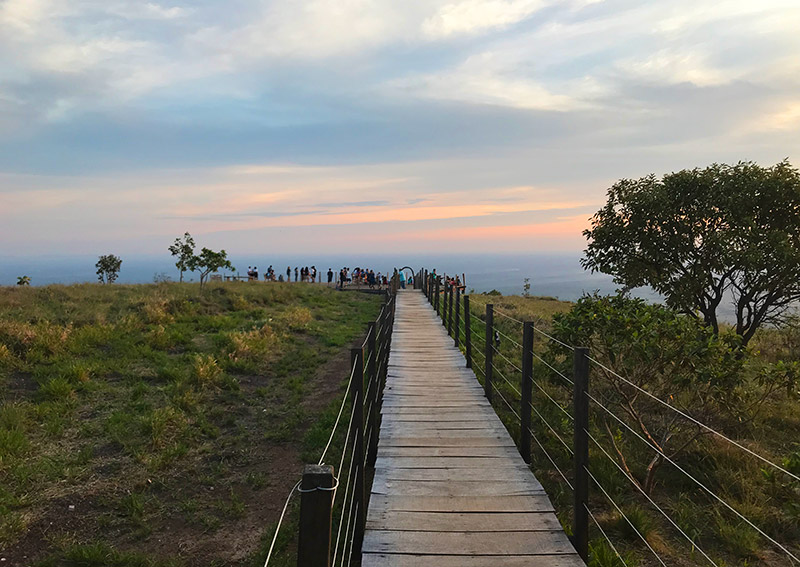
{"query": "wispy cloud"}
[(254, 117)]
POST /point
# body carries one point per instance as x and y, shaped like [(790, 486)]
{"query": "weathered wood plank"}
[(497, 451), (527, 503), (470, 522), (455, 487), (506, 473), (402, 560), (442, 441), (444, 462), (468, 543)]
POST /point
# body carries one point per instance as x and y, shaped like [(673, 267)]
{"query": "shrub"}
[(156, 310), (296, 318), (601, 555), (674, 357), (204, 371), (247, 350), (57, 389), (638, 520)]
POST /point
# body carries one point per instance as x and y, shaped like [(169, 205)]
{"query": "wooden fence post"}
[(467, 331), (457, 324), (450, 309), (527, 387), (316, 515), (444, 301), (359, 498), (580, 374), (489, 352), (436, 295)]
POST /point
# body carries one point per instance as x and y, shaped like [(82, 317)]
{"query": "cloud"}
[(119, 117), (474, 16)]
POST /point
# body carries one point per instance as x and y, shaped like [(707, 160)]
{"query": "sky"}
[(408, 126)]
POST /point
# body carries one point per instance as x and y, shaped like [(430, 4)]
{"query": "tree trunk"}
[(652, 468)]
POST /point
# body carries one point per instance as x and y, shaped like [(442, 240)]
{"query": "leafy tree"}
[(108, 267), (674, 357), (24, 280), (183, 250), (209, 261), (703, 235)]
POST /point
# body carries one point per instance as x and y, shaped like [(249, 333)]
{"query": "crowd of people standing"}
[(346, 276), (360, 277)]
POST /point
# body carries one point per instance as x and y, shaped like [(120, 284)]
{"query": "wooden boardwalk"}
[(450, 488)]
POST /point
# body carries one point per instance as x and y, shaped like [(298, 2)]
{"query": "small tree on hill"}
[(701, 236), (208, 262), (24, 280), (108, 267), (183, 250)]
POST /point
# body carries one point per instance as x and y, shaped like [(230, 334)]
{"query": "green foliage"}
[(183, 250), (697, 236), (99, 554), (209, 261), (24, 280), (636, 519), (108, 267), (602, 555), (673, 357)]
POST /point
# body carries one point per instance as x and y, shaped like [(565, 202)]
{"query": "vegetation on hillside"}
[(162, 424), (751, 396)]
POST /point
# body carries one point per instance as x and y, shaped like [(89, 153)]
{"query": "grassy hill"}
[(162, 424)]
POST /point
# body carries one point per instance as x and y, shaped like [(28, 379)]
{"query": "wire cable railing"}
[(693, 479), (666, 516), (503, 361), (280, 522), (696, 421)]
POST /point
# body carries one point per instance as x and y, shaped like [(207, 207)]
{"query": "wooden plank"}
[(443, 441), (443, 415), (471, 522), (529, 503), (402, 560), (468, 543), (455, 487), (497, 451), (444, 462), (498, 474)]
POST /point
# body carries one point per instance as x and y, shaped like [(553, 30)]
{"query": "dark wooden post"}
[(443, 302), (489, 352), (450, 309), (457, 324), (436, 295), (580, 374), (372, 379), (316, 510), (467, 331), (359, 498), (424, 283), (527, 387)]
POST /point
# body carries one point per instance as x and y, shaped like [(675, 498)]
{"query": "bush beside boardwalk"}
[(162, 424), (771, 500)]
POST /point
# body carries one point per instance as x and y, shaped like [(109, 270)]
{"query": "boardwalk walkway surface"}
[(450, 488)]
